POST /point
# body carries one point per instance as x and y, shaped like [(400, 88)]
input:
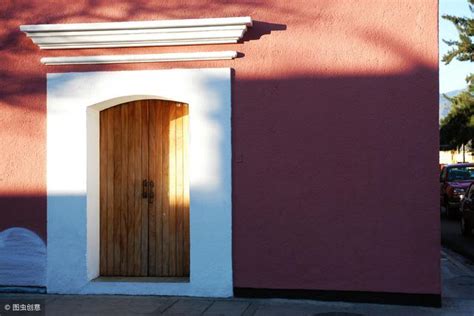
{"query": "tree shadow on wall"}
[(336, 157)]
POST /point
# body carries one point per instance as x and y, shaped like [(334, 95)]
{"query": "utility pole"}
[(463, 153)]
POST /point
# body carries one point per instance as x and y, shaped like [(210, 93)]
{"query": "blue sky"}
[(452, 76)]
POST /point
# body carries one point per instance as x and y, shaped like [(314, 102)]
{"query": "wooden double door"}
[(144, 189)]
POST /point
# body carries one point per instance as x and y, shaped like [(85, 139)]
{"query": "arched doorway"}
[(144, 189), (74, 103)]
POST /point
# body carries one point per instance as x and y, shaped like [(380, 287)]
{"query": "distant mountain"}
[(444, 104)]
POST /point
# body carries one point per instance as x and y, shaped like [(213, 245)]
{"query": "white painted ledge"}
[(147, 58), (138, 33)]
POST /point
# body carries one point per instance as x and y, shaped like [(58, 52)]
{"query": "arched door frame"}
[(74, 101)]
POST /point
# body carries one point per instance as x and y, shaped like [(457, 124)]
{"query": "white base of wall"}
[(74, 101), (145, 288)]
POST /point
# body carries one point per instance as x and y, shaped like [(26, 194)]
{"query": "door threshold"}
[(142, 279)]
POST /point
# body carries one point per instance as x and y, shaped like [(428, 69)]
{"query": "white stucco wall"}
[(73, 104)]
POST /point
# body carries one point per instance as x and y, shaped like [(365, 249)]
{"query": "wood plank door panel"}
[(124, 213), (169, 239), (144, 140), (158, 170)]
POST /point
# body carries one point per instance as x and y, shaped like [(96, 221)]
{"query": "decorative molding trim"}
[(138, 33), (147, 58)]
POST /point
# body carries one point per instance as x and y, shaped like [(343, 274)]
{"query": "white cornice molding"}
[(147, 58), (138, 33)]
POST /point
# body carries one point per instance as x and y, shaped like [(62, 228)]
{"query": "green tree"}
[(463, 49), (457, 129)]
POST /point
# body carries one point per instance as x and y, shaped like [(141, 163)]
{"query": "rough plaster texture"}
[(334, 131)]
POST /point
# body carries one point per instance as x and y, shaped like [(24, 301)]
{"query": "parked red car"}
[(454, 181)]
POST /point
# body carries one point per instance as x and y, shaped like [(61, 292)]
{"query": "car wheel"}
[(466, 229)]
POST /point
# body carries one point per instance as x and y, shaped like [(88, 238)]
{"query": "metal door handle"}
[(145, 189), (151, 194)]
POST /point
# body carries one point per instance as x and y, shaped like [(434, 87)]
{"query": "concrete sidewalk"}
[(458, 299)]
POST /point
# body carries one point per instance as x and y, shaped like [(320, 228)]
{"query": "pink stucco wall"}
[(335, 134)]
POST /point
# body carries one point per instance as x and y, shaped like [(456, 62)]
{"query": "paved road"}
[(458, 299), (451, 238)]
